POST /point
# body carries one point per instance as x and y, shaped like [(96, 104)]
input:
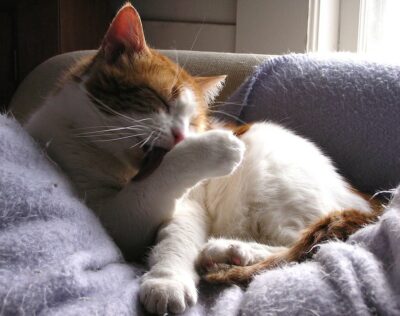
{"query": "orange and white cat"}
[(131, 129)]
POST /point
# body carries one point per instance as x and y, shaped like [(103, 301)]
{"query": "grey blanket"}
[(56, 259), (349, 106)]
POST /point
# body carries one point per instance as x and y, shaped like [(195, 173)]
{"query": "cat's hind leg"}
[(219, 251), (336, 225)]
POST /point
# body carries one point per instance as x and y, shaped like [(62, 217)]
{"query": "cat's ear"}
[(210, 86), (125, 34)]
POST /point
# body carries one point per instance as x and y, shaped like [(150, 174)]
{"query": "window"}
[(370, 27), (380, 26)]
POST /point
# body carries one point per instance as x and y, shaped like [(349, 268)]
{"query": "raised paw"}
[(167, 294), (224, 152)]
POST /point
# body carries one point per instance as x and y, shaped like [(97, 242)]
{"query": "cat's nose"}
[(178, 135)]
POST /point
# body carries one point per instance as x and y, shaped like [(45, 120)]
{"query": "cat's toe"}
[(239, 255), (218, 251), (163, 295)]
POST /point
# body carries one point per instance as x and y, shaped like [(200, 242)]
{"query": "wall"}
[(247, 26)]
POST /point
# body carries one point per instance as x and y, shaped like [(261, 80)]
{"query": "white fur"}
[(283, 184), (263, 189)]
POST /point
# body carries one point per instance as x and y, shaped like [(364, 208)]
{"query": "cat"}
[(132, 131)]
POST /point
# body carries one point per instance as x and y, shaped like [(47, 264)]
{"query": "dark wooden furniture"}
[(8, 71), (32, 31)]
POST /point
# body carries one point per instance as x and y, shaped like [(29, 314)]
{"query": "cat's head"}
[(141, 98)]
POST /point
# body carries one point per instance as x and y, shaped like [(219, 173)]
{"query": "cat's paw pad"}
[(163, 295), (222, 252)]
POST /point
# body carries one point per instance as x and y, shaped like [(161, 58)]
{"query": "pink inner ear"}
[(124, 34)]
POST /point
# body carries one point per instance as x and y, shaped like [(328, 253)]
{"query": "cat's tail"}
[(337, 225)]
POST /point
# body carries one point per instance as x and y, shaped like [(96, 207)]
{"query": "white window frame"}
[(323, 25), (352, 26), (336, 25)]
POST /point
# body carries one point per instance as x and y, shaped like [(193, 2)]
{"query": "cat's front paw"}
[(161, 295), (224, 152)]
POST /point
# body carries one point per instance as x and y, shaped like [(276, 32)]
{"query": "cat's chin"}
[(151, 161)]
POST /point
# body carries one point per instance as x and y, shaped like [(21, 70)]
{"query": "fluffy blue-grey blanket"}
[(348, 105), (56, 259)]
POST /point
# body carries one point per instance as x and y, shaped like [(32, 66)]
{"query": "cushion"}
[(348, 106)]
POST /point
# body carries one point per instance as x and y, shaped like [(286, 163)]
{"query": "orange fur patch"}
[(238, 130), (241, 129)]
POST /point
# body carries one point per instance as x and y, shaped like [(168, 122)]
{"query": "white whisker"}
[(91, 127), (221, 103), (104, 134), (119, 138), (139, 142), (191, 48), (155, 139), (147, 139), (229, 115), (133, 128)]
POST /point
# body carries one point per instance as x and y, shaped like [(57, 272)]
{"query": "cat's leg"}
[(337, 225), (170, 285), (133, 216), (234, 252)]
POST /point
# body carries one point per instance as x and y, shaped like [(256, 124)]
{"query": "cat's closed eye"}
[(164, 105), (140, 99)]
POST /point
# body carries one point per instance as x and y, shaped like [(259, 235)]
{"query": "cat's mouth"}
[(151, 161)]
